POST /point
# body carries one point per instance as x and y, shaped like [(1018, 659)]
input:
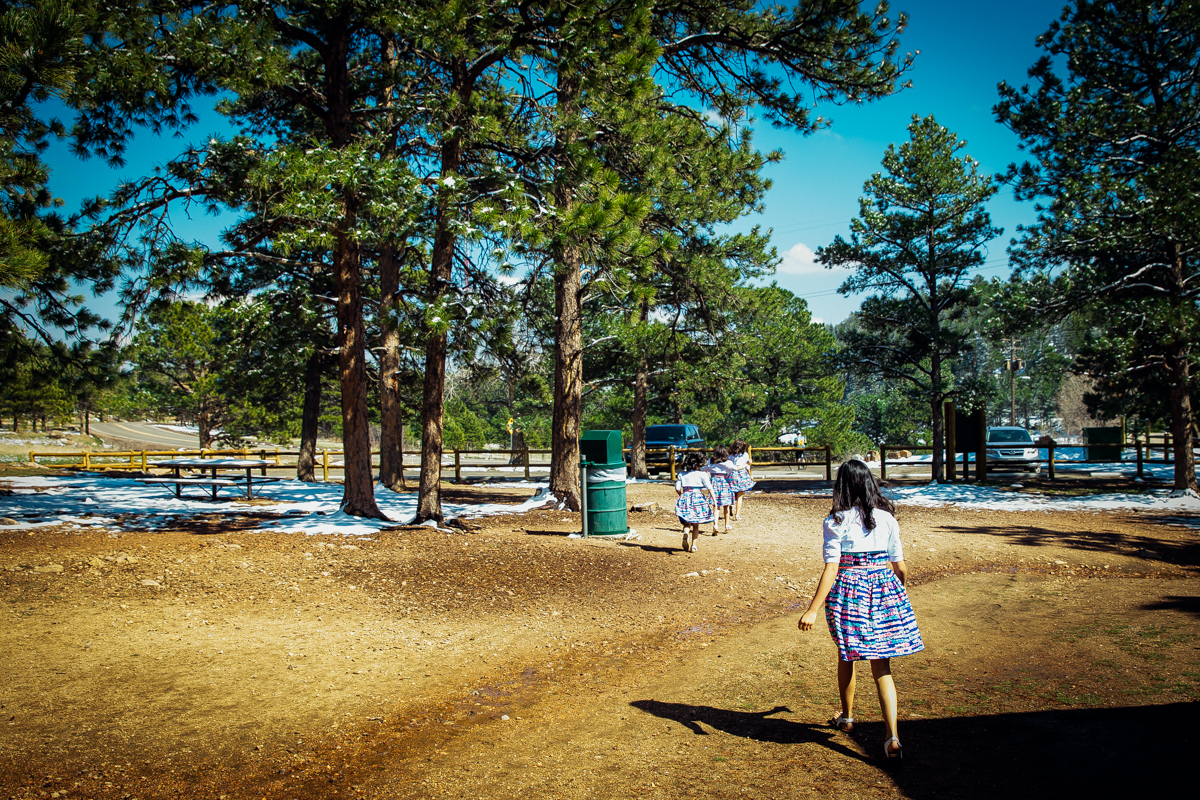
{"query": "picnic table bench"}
[(244, 483)]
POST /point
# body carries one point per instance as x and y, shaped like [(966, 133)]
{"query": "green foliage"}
[(1113, 128), (921, 228)]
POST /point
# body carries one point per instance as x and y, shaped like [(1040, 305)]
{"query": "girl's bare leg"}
[(737, 505), (881, 670), (846, 687)]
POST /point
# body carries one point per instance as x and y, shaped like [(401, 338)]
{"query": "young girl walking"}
[(862, 587), (742, 481), (695, 505), (720, 470)]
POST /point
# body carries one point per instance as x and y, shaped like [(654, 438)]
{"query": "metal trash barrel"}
[(606, 511), (604, 483)]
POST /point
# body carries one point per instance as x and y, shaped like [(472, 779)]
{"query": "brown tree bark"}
[(391, 436), (1183, 418), (310, 418), (358, 494), (568, 316), (445, 241), (641, 390)]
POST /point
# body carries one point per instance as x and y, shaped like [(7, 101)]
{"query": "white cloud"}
[(799, 260)]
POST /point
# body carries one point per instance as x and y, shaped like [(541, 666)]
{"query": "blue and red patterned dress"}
[(741, 481), (695, 503), (868, 610)]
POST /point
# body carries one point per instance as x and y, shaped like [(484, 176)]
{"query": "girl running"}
[(742, 480), (862, 587), (695, 504)]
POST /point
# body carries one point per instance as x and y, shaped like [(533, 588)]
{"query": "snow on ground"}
[(310, 507), (995, 498)]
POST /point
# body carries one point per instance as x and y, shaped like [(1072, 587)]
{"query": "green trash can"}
[(604, 483)]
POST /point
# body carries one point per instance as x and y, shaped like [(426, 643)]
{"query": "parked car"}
[(661, 437), (1011, 446)]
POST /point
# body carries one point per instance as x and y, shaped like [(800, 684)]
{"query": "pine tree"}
[(921, 228), (1114, 125)]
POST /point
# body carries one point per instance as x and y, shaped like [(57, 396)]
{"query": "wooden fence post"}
[(671, 456), (325, 465), (525, 458), (1167, 454), (1050, 453), (87, 460), (457, 466), (1137, 446), (883, 461), (828, 463)]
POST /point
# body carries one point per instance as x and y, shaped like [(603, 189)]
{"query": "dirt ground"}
[(508, 661)]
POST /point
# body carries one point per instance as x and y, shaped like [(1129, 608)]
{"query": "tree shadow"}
[(1186, 604), (756, 725), (1149, 547), (1102, 752)]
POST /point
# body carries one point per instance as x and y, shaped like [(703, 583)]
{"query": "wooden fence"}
[(143, 460), (1143, 455)]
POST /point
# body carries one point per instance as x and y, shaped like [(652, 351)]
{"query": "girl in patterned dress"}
[(720, 470), (743, 481), (862, 587), (695, 504)]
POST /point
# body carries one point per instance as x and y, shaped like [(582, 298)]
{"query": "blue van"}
[(661, 437)]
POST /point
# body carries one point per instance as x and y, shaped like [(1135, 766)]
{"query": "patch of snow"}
[(311, 508)]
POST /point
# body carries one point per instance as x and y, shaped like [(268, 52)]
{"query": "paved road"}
[(143, 433)]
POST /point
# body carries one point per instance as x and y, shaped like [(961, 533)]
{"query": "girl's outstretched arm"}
[(809, 618), (901, 570)]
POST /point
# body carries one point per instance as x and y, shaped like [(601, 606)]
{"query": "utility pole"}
[(1013, 365)]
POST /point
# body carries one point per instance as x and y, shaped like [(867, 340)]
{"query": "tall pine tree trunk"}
[(1183, 418), (568, 316), (433, 400), (310, 418), (641, 402), (358, 494), (939, 437), (391, 436)]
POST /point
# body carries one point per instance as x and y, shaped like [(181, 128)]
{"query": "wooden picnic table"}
[(215, 482)]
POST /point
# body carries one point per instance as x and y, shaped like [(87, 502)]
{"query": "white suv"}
[(1011, 446)]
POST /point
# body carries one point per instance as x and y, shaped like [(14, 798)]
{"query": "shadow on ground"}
[(1104, 752), (1183, 551)]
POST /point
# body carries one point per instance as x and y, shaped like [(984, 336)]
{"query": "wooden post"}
[(1167, 448), (525, 458), (87, 460), (951, 441), (1137, 448), (1050, 460), (883, 461), (457, 466), (828, 463), (671, 457), (325, 465)]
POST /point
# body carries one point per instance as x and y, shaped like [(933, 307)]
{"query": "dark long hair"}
[(856, 486), (693, 462)]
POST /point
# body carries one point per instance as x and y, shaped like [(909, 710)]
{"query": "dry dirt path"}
[(1061, 650)]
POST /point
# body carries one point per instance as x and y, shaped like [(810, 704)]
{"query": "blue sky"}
[(965, 50)]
